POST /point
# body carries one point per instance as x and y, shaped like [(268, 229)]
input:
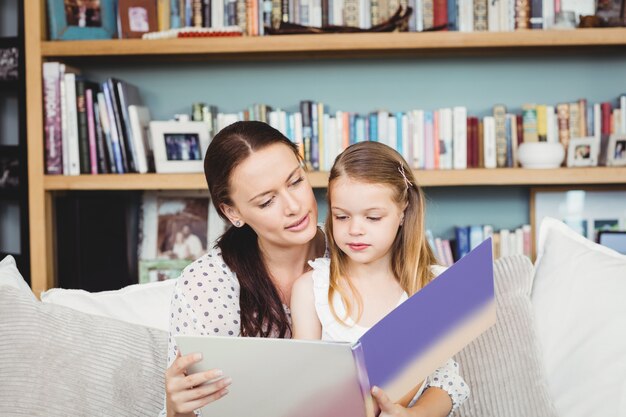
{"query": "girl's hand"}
[(185, 393), (391, 409)]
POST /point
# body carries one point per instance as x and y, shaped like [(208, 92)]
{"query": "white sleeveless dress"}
[(333, 330)]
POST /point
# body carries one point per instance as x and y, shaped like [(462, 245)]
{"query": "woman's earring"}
[(237, 223)]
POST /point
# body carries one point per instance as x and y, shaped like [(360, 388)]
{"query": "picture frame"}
[(9, 170), (9, 62), (179, 146), (587, 210), (136, 17), (155, 270), (616, 152), (163, 216), (82, 19), (583, 152)]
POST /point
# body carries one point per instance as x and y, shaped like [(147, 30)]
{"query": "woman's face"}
[(271, 193)]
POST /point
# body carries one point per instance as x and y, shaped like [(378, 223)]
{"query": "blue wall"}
[(394, 84)]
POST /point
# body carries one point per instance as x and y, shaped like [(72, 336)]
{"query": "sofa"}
[(558, 347)]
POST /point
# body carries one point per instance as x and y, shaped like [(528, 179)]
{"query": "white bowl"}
[(540, 155)]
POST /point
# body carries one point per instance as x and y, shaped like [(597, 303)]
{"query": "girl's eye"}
[(267, 203), (297, 181), (374, 219), (340, 218)]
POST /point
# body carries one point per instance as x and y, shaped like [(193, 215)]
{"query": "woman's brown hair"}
[(262, 311), (411, 255)]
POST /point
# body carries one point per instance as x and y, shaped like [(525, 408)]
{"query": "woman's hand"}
[(390, 409), (185, 393)]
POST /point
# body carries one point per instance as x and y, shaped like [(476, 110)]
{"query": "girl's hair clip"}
[(406, 180)]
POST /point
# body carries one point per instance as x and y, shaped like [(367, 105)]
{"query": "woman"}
[(243, 286)]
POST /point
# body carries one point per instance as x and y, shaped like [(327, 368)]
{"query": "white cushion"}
[(579, 299), (10, 276), (144, 304)]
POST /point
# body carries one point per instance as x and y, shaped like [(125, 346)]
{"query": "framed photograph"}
[(9, 171), (611, 12), (82, 19), (161, 269), (616, 153), (137, 17), (587, 210), (9, 61), (582, 152), (179, 146)]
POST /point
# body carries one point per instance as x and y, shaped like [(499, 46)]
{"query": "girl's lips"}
[(300, 225), (358, 246)]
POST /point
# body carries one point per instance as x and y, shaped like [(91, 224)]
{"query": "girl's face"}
[(366, 219), (271, 193)]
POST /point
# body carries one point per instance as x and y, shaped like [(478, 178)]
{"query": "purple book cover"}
[(434, 324), (52, 107)]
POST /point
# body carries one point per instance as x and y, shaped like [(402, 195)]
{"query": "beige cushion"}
[(56, 361), (503, 366)]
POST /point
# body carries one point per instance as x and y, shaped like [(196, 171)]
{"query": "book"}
[(395, 354)]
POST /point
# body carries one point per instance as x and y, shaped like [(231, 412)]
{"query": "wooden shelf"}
[(336, 45), (441, 178)]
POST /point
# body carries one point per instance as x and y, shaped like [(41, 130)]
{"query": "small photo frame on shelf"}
[(137, 17), (588, 210), (616, 152), (582, 152), (155, 270), (9, 61), (9, 171), (82, 19), (179, 147)]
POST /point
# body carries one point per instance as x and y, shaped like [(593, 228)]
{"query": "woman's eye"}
[(266, 203), (297, 181)]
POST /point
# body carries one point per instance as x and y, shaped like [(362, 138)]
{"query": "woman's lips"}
[(300, 224)]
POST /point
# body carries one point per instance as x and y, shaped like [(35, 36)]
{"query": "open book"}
[(296, 378)]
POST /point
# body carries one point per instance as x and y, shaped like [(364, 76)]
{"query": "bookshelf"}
[(240, 51), (13, 143)]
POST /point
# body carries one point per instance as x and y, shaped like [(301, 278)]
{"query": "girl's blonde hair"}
[(411, 255)]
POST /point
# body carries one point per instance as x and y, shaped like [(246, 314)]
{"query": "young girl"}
[(379, 257)]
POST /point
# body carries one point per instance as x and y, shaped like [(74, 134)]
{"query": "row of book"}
[(505, 242), (92, 128), (445, 138), (254, 16)]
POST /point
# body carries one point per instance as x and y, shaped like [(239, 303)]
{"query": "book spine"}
[(174, 14), (440, 13), (72, 125), (462, 241), (351, 13), (163, 13), (522, 14), (115, 143), (563, 123), (64, 134), (52, 124), (574, 121), (197, 13), (460, 137), (124, 97), (481, 23), (83, 135), (315, 156), (103, 162), (490, 142), (529, 117), (307, 131), (104, 122), (536, 14), (118, 123), (428, 14), (582, 114), (499, 115), (542, 123), (453, 13), (91, 131)]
